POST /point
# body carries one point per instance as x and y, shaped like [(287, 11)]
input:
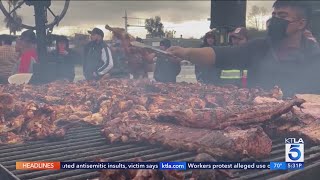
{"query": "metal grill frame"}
[(86, 144), (5, 174)]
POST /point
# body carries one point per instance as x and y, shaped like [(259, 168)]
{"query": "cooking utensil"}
[(156, 50)]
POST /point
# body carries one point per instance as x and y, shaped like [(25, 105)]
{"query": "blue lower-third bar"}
[(278, 165), (173, 165), (295, 165)]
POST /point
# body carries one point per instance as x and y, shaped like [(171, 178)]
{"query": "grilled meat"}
[(38, 123), (120, 33), (220, 118), (136, 56), (304, 121), (91, 94), (262, 100), (27, 121), (6, 103), (99, 102), (10, 138), (231, 143)]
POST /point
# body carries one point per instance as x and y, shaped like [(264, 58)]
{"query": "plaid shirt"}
[(8, 60)]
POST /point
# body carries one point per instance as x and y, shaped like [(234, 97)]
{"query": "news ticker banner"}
[(159, 165)]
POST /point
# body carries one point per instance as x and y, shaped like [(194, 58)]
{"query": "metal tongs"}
[(157, 51)]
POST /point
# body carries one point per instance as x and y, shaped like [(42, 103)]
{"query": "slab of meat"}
[(301, 122), (10, 138), (220, 118), (312, 105), (136, 56), (213, 95), (309, 132), (97, 102), (232, 143), (27, 121)]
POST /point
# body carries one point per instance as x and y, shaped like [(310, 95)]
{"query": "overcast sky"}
[(188, 18)]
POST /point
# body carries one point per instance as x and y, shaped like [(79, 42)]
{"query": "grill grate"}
[(87, 144)]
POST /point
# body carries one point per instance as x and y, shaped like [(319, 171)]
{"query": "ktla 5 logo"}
[(294, 150)]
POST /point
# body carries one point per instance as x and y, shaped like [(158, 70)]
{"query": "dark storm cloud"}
[(111, 12), (102, 12)]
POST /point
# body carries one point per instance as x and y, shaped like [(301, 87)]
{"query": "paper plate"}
[(20, 78)]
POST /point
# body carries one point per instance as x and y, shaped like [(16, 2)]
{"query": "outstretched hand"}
[(178, 51)]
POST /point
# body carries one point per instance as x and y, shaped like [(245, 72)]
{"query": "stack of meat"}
[(22, 121), (96, 102), (142, 110), (231, 132), (303, 122)]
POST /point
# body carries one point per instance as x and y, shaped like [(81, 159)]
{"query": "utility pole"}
[(126, 25), (43, 72), (125, 21)]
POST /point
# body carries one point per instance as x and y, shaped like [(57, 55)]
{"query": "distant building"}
[(148, 36)]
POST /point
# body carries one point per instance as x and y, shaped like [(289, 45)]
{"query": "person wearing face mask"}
[(285, 58), (307, 33), (205, 74), (98, 57)]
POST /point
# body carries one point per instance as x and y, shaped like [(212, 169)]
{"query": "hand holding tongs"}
[(157, 51)]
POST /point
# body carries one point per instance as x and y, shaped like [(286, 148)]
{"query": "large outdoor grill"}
[(86, 144)]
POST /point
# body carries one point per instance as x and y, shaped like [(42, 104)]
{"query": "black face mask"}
[(277, 29)]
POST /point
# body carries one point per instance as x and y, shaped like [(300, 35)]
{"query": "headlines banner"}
[(155, 165)]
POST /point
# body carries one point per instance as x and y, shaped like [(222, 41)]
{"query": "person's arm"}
[(222, 57), (204, 55), (107, 59)]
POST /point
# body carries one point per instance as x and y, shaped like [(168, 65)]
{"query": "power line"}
[(125, 21), (134, 25), (126, 25), (136, 18)]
